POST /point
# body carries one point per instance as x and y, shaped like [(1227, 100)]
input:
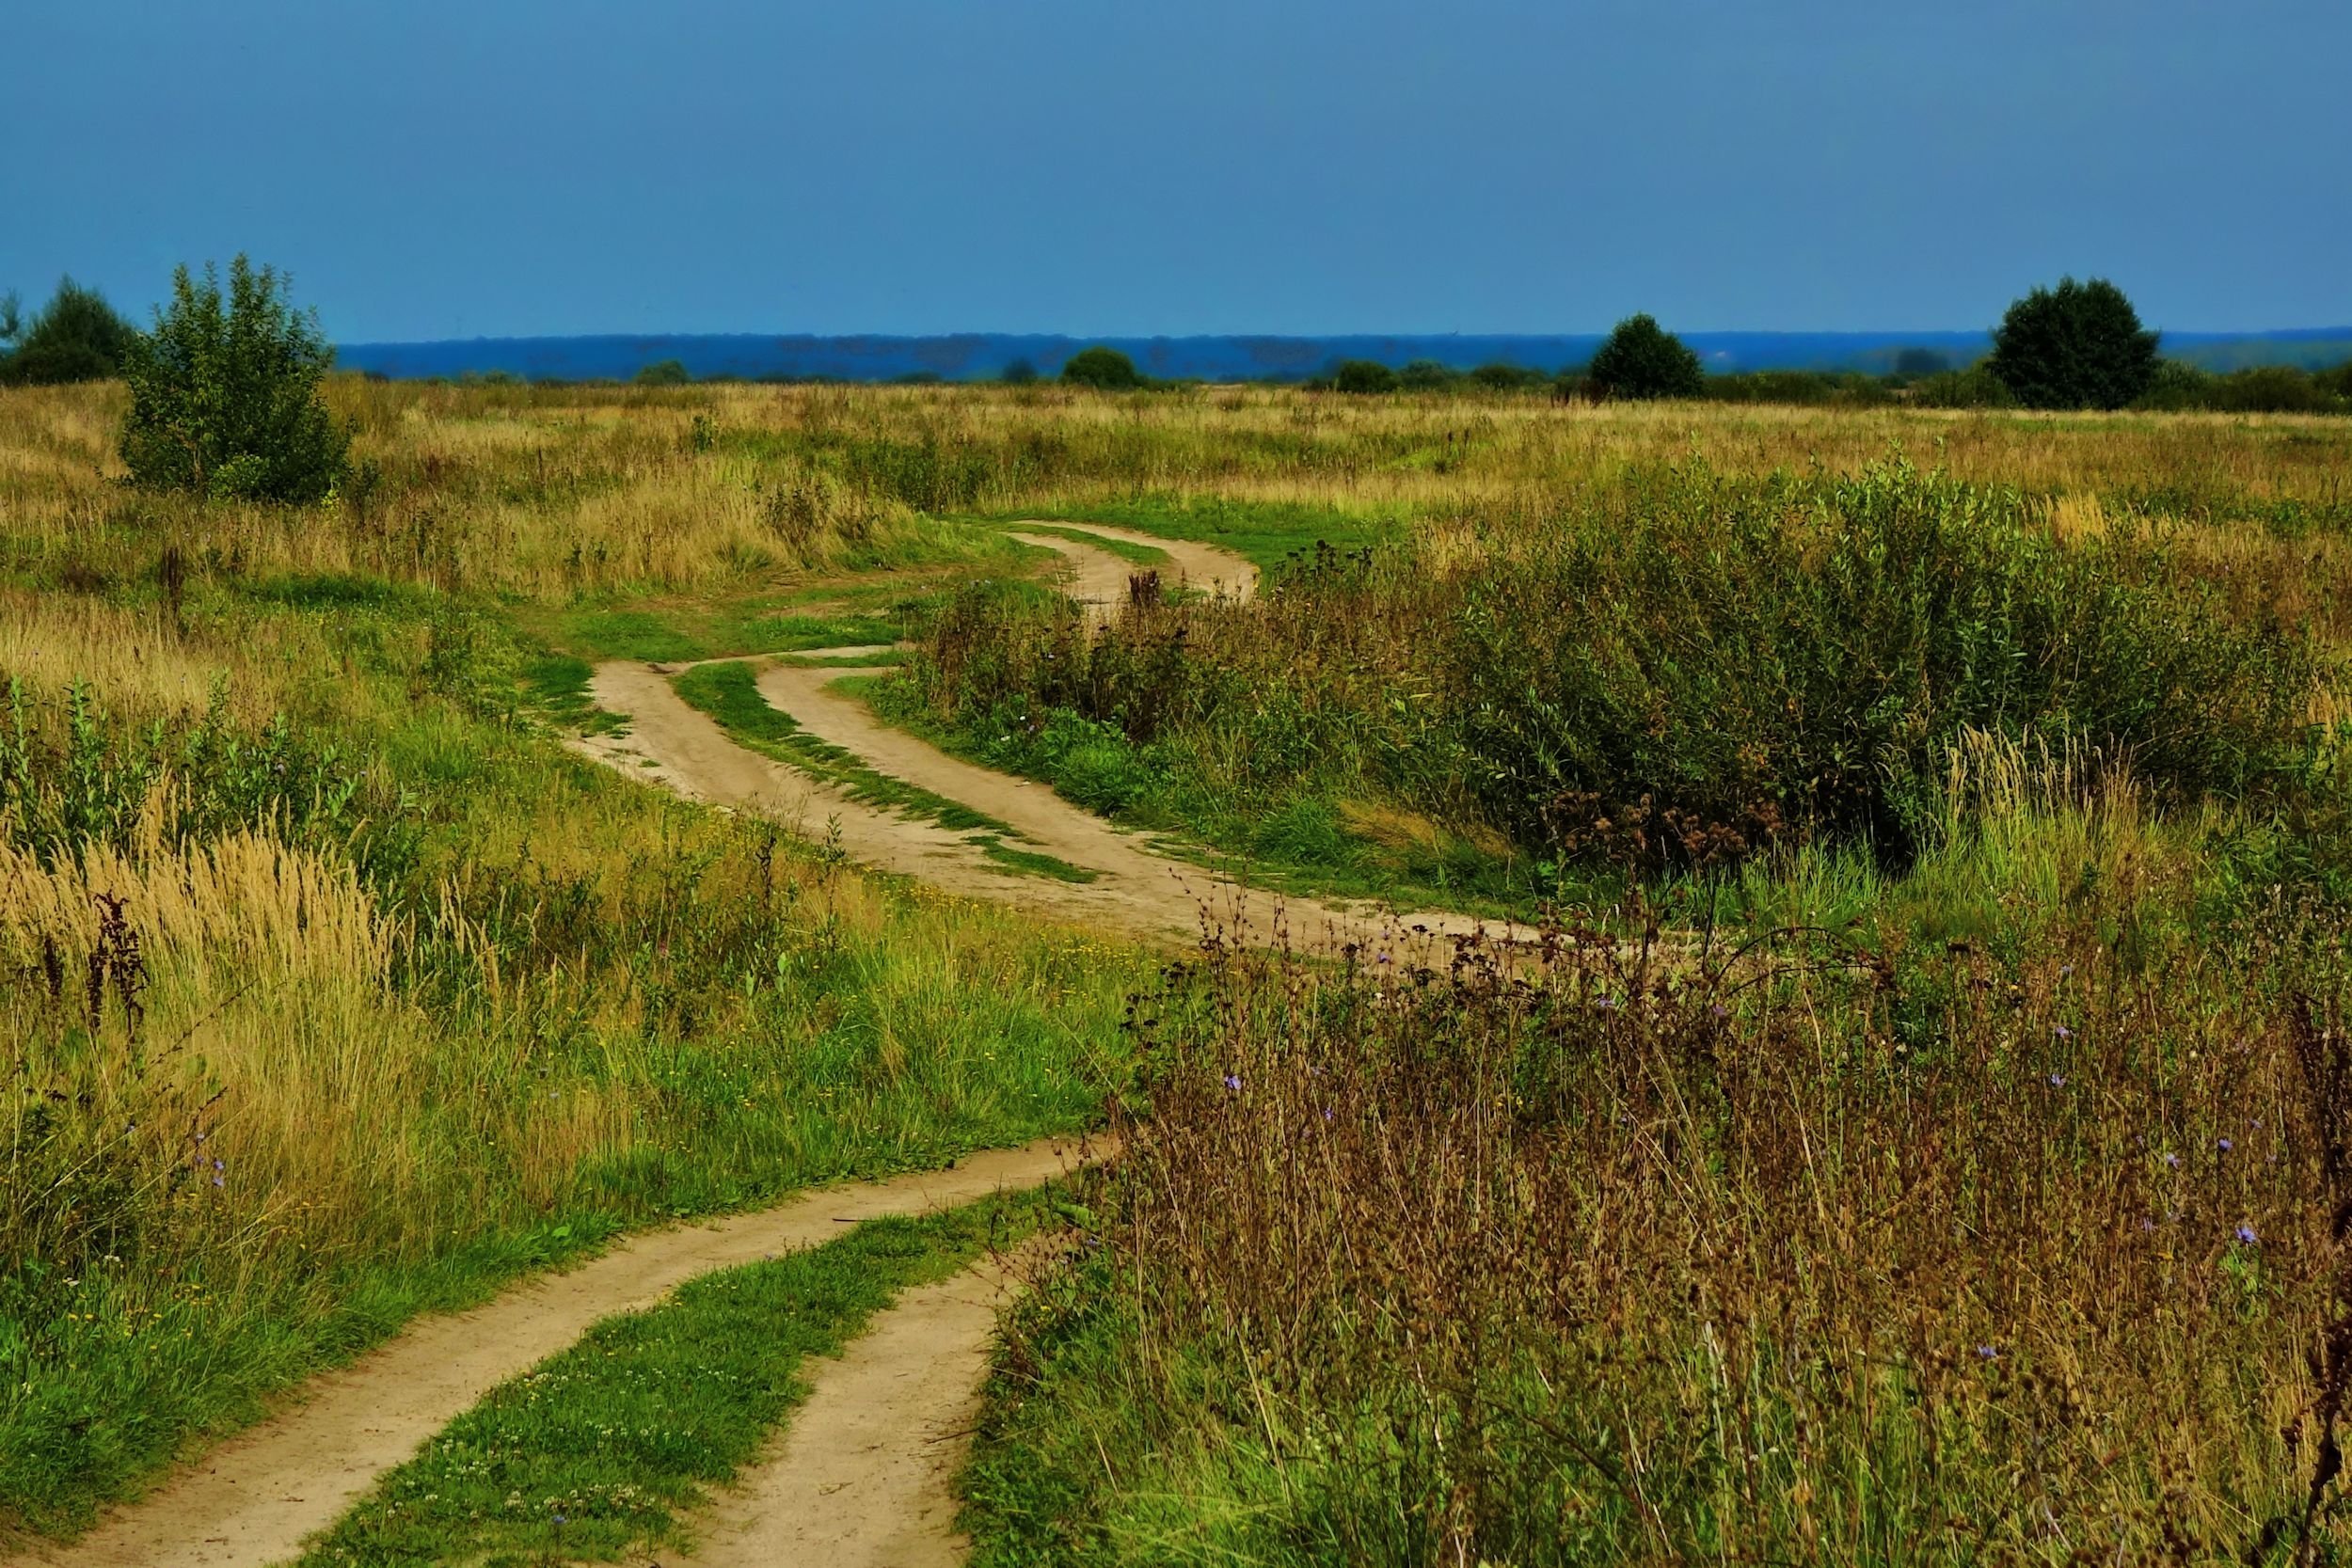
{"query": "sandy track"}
[(1138, 894), (249, 1501), (862, 1476), (1099, 579)]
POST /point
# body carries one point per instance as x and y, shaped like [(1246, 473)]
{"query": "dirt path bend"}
[(1136, 893), (1097, 579), (249, 1501), (862, 1475)]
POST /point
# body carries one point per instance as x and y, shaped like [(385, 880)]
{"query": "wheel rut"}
[(249, 1501), (1138, 892)]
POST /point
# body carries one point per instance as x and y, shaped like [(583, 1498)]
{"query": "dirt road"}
[(863, 1476), (250, 1501), (1138, 892)]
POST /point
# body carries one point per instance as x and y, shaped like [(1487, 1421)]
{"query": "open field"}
[(1909, 1129)]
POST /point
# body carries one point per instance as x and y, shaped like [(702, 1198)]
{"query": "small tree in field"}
[(1103, 368), (1641, 359), (225, 393), (1364, 376), (2078, 345), (77, 337)]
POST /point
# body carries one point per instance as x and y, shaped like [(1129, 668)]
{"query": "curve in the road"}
[(1136, 893)]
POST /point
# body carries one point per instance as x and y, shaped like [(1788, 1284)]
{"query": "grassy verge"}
[(1313, 843), (1126, 549), (598, 1455)]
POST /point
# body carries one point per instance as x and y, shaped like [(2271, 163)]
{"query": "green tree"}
[(1103, 368), (1498, 376), (77, 337), (2079, 345), (1424, 375), (1641, 359), (225, 393), (1363, 375), (663, 372), (1019, 374)]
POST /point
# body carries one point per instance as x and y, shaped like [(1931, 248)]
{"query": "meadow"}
[(1918, 1140)]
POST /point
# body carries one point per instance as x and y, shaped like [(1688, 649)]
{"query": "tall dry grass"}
[(556, 491), (2017, 1249)]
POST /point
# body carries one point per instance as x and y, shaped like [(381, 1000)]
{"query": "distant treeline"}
[(1927, 381), (78, 337)]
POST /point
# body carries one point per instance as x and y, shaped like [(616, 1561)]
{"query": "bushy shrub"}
[(1975, 388), (1641, 359), (1500, 377), (77, 337), (1738, 664), (1363, 376), (1101, 368), (1424, 375), (2079, 345), (1021, 372), (662, 373), (1847, 389), (225, 393)]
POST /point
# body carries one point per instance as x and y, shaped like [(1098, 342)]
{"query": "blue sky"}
[(522, 166)]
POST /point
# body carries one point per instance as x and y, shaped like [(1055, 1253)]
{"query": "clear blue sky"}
[(429, 168)]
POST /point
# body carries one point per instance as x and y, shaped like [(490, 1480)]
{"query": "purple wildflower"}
[(2061, 1030), (2225, 1145), (1987, 1353), (2246, 1234), (2058, 1080), (1232, 1081), (2173, 1161)]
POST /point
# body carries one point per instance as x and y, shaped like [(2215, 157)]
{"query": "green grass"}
[(1265, 534), (559, 684), (673, 636), (1127, 550), (602, 1452)]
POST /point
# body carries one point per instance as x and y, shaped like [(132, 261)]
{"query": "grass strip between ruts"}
[(604, 1449)]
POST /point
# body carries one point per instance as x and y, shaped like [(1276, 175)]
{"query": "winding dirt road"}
[(249, 1501), (860, 1479), (1138, 892)]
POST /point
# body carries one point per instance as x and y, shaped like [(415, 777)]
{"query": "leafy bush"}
[(1363, 376), (1104, 369), (2079, 345), (1500, 377), (1021, 372), (1848, 388), (1742, 665), (1424, 375), (1641, 359), (225, 394), (663, 372), (77, 337), (1975, 388), (1911, 364)]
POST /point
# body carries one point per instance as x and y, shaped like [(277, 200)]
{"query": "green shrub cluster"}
[(77, 337)]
